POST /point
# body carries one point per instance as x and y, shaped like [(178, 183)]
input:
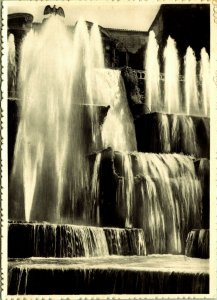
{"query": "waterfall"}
[(164, 133), (61, 176), (111, 275), (171, 196), (184, 133), (125, 241), (197, 244), (65, 240), (171, 78), (72, 240), (152, 70), (118, 129), (160, 193)]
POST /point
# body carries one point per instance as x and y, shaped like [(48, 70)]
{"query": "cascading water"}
[(197, 244), (184, 126), (164, 132), (64, 240), (118, 129), (152, 74), (205, 80), (164, 197), (171, 78), (171, 193), (159, 193), (68, 241), (12, 67), (109, 275)]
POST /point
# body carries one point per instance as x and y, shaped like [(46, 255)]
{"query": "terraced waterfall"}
[(96, 198)]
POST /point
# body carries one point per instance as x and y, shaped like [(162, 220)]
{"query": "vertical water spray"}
[(205, 79), (97, 61), (171, 79), (96, 46), (82, 64), (12, 67), (152, 74), (76, 188), (191, 89), (50, 138)]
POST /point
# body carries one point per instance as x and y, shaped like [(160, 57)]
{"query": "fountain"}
[(179, 122), (152, 74), (191, 91), (171, 101), (93, 199)]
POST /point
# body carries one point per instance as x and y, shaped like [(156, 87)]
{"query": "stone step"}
[(59, 240), (169, 133), (158, 274)]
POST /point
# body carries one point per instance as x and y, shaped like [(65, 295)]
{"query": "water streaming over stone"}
[(64, 240), (125, 241), (164, 133), (153, 96), (163, 197), (183, 129), (118, 129), (109, 275), (173, 133), (197, 244)]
